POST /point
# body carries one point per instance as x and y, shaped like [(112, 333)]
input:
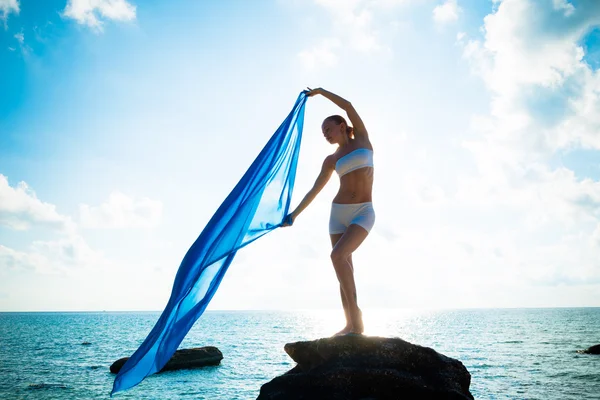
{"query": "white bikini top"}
[(356, 159)]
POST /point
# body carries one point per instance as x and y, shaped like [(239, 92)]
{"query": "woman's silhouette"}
[(352, 214)]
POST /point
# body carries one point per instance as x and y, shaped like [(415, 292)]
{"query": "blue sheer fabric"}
[(258, 204)]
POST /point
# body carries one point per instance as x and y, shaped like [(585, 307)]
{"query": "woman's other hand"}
[(288, 220), (311, 92)]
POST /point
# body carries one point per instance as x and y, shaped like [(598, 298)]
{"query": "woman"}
[(352, 214)]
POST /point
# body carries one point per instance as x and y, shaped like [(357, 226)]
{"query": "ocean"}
[(510, 353)]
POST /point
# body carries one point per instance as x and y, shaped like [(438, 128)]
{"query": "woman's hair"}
[(338, 119)]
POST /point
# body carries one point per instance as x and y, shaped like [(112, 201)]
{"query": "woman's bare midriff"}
[(355, 187)]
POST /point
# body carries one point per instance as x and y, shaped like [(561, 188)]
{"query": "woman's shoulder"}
[(363, 144), (330, 160)]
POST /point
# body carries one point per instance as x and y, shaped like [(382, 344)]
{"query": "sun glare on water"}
[(378, 322)]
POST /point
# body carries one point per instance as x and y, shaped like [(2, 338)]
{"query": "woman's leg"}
[(334, 239), (348, 326), (341, 258)]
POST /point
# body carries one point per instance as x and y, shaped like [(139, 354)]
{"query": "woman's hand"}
[(311, 92), (288, 220)]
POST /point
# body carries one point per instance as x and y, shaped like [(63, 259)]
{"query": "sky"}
[(124, 124)]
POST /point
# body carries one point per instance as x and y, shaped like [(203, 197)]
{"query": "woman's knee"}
[(338, 256)]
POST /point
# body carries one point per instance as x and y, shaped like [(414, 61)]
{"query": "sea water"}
[(510, 353)]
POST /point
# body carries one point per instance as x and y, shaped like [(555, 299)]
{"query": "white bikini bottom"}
[(343, 215)]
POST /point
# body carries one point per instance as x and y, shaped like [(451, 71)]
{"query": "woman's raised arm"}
[(359, 127)]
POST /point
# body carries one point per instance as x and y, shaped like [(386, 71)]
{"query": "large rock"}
[(183, 359), (368, 368), (592, 350)]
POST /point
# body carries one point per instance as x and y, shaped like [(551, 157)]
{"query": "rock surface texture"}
[(183, 359), (368, 368)]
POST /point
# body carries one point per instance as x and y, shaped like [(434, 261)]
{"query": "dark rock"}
[(592, 350), (35, 386), (86, 343), (368, 368), (183, 359)]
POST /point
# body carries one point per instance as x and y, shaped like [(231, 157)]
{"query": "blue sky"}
[(124, 124)]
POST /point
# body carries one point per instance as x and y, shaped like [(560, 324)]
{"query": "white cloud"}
[(527, 42), (357, 25), (447, 12), (498, 233), (25, 49), (321, 54), (21, 209), (51, 257), (544, 98), (90, 12), (353, 20), (7, 7), (563, 5), (70, 251), (543, 92), (121, 211), (12, 260), (394, 3)]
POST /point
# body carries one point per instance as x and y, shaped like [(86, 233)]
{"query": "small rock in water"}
[(47, 386), (592, 350), (86, 343), (362, 367), (183, 359)]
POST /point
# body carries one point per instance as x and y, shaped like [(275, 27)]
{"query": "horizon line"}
[(309, 309)]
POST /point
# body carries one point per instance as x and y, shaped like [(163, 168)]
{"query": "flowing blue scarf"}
[(258, 204)]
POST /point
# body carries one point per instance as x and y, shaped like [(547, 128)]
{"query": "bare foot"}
[(347, 329), (358, 326)]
